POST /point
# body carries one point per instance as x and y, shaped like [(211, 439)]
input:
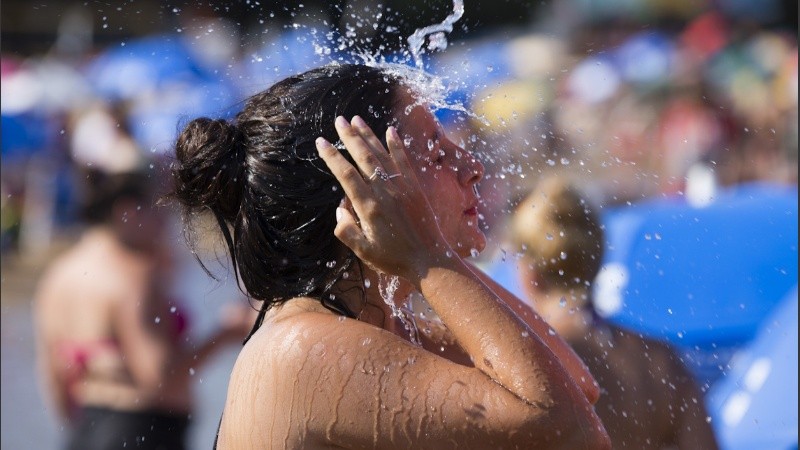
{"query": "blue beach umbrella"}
[(151, 63), (165, 83), (469, 67), (292, 51), (755, 404), (155, 121), (702, 278), (646, 58)]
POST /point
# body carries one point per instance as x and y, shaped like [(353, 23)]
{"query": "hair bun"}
[(210, 167)]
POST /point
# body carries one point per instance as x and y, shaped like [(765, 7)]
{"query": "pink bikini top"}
[(77, 355)]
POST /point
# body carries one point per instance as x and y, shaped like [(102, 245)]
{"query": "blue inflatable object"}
[(755, 405), (702, 278)]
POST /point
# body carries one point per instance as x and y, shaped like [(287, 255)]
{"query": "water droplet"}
[(525, 334), (563, 255), (563, 302), (551, 332), (548, 236), (173, 309), (158, 319), (474, 252), (191, 371), (330, 264), (367, 283), (669, 311)]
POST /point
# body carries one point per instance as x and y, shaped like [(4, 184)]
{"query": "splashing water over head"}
[(427, 88), (438, 39), (387, 286)]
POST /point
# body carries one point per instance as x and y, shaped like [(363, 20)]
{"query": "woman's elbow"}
[(575, 426)]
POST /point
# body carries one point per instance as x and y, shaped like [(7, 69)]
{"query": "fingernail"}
[(339, 214), (393, 134), (322, 142), (342, 122), (359, 122)]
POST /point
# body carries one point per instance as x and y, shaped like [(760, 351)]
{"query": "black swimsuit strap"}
[(216, 437)]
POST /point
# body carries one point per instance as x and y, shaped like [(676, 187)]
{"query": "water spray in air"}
[(438, 38), (387, 286)]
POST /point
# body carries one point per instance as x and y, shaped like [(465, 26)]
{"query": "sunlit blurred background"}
[(679, 115)]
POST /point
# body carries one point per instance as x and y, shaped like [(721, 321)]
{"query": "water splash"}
[(438, 39), (428, 89), (387, 286)]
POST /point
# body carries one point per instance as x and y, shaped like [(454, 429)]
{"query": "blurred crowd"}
[(705, 99), (636, 112)]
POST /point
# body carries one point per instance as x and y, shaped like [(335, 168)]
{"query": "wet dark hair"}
[(273, 197), (102, 190)]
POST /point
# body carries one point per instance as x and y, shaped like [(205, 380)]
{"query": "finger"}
[(398, 152), (349, 177), (359, 148), (376, 146), (348, 205), (348, 231)]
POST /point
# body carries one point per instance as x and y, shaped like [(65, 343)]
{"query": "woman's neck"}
[(365, 296)]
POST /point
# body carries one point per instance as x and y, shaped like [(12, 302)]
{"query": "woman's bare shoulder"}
[(313, 379), (298, 359), (290, 338)]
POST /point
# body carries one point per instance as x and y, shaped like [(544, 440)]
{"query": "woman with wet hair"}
[(112, 345), (650, 400), (321, 216)]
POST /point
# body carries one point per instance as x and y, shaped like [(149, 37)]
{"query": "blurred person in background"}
[(112, 346), (649, 399)]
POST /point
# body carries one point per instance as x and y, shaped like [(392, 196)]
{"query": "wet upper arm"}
[(353, 385)]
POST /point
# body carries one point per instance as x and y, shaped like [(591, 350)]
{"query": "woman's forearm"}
[(499, 343), (569, 359)]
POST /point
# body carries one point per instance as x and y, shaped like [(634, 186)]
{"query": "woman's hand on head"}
[(391, 225)]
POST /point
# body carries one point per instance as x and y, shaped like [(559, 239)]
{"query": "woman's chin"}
[(471, 247)]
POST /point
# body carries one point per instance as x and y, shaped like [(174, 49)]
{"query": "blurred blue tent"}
[(646, 58), (703, 278), (292, 51), (165, 84), (755, 405), (24, 134), (146, 64), (468, 68)]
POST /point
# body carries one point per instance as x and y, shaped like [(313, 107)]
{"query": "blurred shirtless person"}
[(648, 400), (112, 347)]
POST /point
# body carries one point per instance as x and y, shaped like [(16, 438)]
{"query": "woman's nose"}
[(472, 170)]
